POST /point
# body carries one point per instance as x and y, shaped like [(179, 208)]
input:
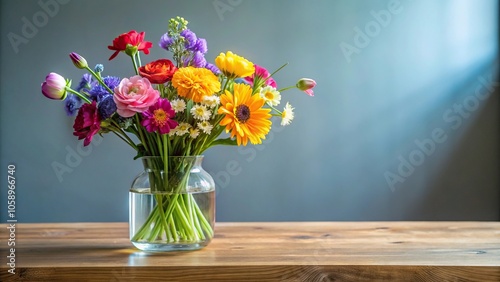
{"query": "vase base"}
[(169, 247)]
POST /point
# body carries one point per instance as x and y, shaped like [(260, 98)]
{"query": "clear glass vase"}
[(172, 205)]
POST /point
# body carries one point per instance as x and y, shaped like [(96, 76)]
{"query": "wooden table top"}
[(284, 251)]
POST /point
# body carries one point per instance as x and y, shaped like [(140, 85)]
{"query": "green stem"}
[(286, 88), (83, 97), (124, 140), (98, 77), (135, 65), (284, 65), (141, 135), (165, 159), (138, 59), (159, 202)]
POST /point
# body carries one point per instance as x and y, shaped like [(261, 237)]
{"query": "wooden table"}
[(286, 251)]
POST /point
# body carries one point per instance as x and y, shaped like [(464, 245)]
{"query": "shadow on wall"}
[(445, 152)]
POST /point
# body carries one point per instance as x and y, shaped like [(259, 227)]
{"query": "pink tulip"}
[(54, 86), (78, 60), (306, 85)]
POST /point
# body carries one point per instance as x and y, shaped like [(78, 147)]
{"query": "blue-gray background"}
[(392, 76)]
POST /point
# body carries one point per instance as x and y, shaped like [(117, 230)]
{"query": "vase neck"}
[(158, 163)]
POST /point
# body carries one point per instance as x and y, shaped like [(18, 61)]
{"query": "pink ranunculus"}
[(134, 95), (263, 74), (87, 123)]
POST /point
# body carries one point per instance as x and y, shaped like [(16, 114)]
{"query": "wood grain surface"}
[(284, 251)]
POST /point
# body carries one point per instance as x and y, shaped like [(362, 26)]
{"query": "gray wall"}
[(410, 103)]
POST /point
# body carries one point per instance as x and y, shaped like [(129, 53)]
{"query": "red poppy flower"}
[(132, 38)]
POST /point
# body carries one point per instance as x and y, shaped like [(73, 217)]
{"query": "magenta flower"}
[(306, 85), (134, 95), (78, 60), (261, 74), (87, 123), (54, 86), (159, 117)]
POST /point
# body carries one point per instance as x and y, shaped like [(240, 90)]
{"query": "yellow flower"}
[(195, 83), (233, 65), (244, 115)]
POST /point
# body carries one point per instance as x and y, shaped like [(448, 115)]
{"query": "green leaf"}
[(225, 141), (140, 151)]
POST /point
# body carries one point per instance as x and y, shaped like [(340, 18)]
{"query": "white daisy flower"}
[(178, 105), (205, 126), (182, 128), (200, 112), (270, 95), (211, 101), (194, 132), (287, 115)]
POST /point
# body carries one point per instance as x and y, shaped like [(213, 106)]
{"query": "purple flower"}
[(166, 41), (212, 68), (98, 91), (85, 82), (190, 39), (201, 46), (106, 106), (54, 86), (72, 104), (198, 60)]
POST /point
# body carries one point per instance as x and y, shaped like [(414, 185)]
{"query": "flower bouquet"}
[(170, 112)]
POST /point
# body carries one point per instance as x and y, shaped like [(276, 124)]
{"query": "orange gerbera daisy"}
[(244, 116), (195, 83)]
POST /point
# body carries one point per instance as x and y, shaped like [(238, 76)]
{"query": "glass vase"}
[(172, 205)]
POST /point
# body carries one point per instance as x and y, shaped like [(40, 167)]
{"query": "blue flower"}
[(106, 106), (71, 104), (85, 82), (99, 68), (98, 91)]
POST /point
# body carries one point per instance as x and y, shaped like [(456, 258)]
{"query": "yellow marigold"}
[(195, 83), (244, 116), (233, 65)]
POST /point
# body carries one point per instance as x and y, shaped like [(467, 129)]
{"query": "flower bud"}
[(306, 85), (99, 68), (78, 60), (54, 86)]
